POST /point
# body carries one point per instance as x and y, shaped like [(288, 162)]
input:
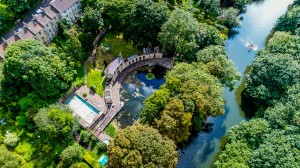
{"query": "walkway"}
[(115, 91)]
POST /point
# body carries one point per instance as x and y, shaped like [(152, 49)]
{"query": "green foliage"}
[(89, 159), (85, 136), (280, 149), (92, 20), (236, 155), (74, 49), (56, 121), (7, 158), (210, 6), (140, 20), (141, 146), (80, 165), (11, 139), (25, 150), (153, 105), (229, 17), (96, 81), (111, 130), (21, 121), (289, 22), (30, 67), (102, 146), (218, 65), (270, 77), (184, 35), (150, 76), (72, 154), (174, 122), (283, 42), (251, 133)]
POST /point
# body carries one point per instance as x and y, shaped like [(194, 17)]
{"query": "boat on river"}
[(251, 46)]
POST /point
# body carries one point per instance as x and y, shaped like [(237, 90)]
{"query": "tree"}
[(229, 17), (174, 122), (218, 64), (252, 133), (92, 20), (85, 136), (236, 155), (71, 155), (178, 34), (210, 6), (11, 139), (289, 21), (140, 20), (153, 106), (30, 67), (74, 49), (18, 6), (283, 42), (7, 158), (279, 149), (56, 121), (270, 77), (141, 146)]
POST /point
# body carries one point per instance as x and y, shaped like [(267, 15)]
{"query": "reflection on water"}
[(257, 23), (135, 89)]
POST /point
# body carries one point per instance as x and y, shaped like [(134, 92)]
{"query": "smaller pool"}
[(82, 108)]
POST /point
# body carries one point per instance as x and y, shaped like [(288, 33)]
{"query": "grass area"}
[(113, 45), (111, 130), (96, 78)]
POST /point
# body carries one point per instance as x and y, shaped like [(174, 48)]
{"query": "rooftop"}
[(112, 67)]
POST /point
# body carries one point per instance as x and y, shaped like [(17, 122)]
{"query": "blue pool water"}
[(79, 103)]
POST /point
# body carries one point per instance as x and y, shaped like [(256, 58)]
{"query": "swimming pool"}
[(82, 108)]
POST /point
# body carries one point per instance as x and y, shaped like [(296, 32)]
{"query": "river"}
[(257, 23)]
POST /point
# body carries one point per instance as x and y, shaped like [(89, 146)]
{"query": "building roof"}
[(51, 12), (25, 33), (43, 19), (62, 5), (34, 27), (113, 66), (132, 57)]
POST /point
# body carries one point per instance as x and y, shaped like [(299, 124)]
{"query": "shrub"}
[(25, 150), (11, 139), (21, 120), (84, 94), (102, 146), (93, 88), (85, 136), (150, 76)]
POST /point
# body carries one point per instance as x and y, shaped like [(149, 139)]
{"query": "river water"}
[(257, 23)]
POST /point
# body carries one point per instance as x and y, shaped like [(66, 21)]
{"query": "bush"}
[(25, 150), (11, 139), (84, 94), (102, 146), (85, 136), (21, 121), (150, 76), (93, 88)]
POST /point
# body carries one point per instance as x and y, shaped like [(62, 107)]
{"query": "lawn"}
[(96, 77), (111, 130), (113, 45)]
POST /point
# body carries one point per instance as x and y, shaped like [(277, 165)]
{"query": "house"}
[(44, 24), (111, 69)]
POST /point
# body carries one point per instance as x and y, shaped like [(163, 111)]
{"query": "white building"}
[(44, 25)]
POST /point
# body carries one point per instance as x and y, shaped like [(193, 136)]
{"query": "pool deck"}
[(92, 97)]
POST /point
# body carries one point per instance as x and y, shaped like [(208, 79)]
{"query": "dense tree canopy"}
[(30, 67), (218, 64), (56, 121), (92, 20), (140, 20), (184, 35), (270, 77), (273, 82), (7, 158), (141, 146), (71, 155), (174, 122)]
